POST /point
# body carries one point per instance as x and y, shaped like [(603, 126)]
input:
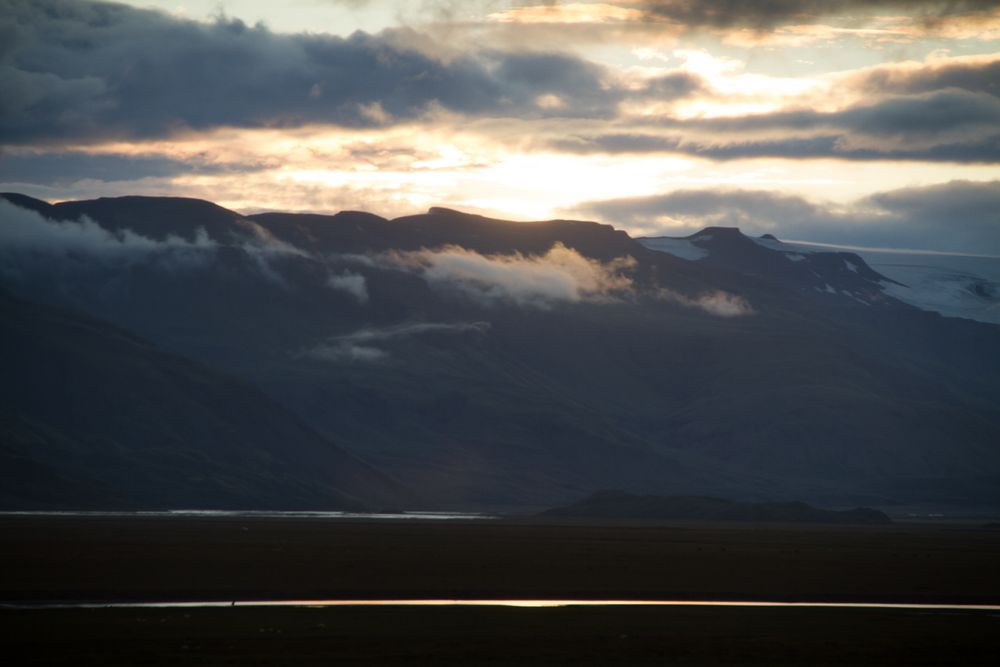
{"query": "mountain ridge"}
[(492, 363)]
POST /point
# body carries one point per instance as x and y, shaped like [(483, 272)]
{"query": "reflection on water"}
[(262, 514), (503, 603)]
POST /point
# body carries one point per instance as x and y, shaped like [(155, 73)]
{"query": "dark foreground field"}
[(73, 559), (461, 636)]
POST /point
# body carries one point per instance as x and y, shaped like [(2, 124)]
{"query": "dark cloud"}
[(577, 82), (966, 214), (911, 116), (765, 14), (951, 125), (57, 169), (959, 216), (90, 70), (671, 86), (973, 76), (922, 115), (984, 150)]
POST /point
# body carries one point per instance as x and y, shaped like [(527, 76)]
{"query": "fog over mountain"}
[(455, 361)]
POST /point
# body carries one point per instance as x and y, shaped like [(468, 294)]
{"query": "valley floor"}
[(491, 635), (114, 559)]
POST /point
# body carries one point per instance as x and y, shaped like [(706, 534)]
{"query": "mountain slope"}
[(951, 284), (94, 417), (841, 274), (489, 362), (954, 285)]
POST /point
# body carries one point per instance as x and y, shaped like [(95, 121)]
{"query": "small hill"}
[(619, 505)]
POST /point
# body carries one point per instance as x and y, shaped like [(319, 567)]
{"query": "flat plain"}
[(72, 559)]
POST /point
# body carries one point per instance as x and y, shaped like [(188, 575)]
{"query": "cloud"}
[(719, 303), (24, 232), (347, 352), (971, 74), (78, 70), (670, 86), (959, 216), (351, 283), (899, 116), (30, 242), (571, 12), (950, 125), (256, 240), (980, 150), (359, 346), (768, 14), (560, 275), (62, 168)]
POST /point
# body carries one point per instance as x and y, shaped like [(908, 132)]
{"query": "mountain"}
[(490, 363), (951, 284), (93, 417), (839, 274), (153, 217), (619, 505), (948, 283)]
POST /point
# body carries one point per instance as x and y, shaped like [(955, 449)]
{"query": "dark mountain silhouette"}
[(155, 217), (842, 396), (839, 274), (363, 232), (93, 417), (619, 505)]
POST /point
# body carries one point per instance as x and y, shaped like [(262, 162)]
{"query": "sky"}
[(836, 121)]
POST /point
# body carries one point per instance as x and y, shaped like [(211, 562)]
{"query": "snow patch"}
[(782, 246), (682, 248), (949, 292), (953, 284)]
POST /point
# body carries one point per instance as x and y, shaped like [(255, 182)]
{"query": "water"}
[(501, 603), (262, 514)]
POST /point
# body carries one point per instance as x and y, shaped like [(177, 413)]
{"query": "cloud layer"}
[(23, 231), (719, 303), (30, 242), (560, 275), (767, 14), (952, 124), (84, 71), (510, 109)]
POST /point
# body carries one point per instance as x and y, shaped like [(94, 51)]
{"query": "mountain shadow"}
[(93, 417)]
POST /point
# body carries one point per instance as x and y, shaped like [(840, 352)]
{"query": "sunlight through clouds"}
[(523, 110)]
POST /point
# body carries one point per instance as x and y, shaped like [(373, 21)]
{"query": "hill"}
[(618, 505)]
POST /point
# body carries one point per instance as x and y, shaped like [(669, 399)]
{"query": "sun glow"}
[(576, 12)]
